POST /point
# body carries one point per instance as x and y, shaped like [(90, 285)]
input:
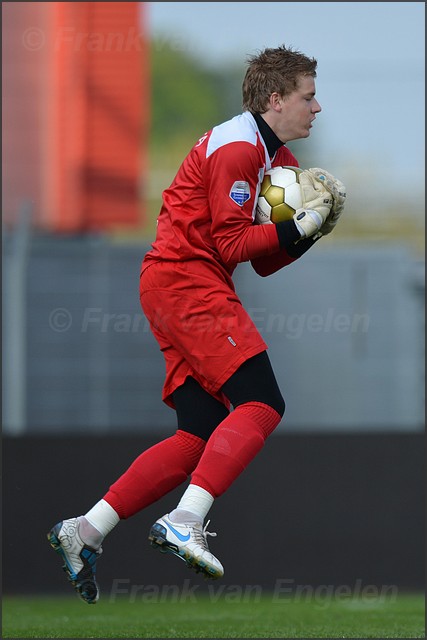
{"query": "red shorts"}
[(200, 324)]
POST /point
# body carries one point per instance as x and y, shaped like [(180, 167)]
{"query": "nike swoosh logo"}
[(178, 534)]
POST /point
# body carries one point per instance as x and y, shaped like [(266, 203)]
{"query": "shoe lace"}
[(200, 535)]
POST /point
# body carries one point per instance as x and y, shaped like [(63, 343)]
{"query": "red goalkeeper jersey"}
[(209, 209)]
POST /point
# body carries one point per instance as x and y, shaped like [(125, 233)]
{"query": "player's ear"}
[(276, 101)]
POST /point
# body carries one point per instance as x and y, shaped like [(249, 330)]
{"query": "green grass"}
[(238, 616)]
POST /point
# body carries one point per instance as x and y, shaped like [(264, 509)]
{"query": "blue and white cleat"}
[(188, 542), (79, 559)]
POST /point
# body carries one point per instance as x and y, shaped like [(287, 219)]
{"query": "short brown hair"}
[(274, 70)]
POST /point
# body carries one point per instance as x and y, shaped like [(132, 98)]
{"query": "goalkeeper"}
[(219, 379)]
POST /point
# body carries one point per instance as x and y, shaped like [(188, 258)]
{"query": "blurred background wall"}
[(347, 324), (101, 101), (75, 113)]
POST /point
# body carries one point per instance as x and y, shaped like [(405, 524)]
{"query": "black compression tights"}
[(199, 413)]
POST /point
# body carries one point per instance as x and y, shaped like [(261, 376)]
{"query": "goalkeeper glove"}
[(338, 192), (317, 203)]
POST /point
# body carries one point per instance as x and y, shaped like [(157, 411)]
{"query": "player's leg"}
[(167, 464), (258, 408), (154, 473), (203, 318), (181, 532)]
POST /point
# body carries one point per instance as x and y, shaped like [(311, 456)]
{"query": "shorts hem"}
[(250, 353), (214, 387)]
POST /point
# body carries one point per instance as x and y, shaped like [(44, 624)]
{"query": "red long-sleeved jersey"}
[(209, 209)]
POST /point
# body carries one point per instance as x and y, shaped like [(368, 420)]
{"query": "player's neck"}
[(272, 142)]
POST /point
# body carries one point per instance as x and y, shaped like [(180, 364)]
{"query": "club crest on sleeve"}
[(240, 192)]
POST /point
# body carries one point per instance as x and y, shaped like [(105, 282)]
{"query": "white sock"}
[(103, 517), (195, 500)]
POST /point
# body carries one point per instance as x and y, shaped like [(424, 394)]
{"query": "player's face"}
[(298, 110)]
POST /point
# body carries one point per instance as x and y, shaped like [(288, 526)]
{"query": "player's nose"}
[(316, 106)]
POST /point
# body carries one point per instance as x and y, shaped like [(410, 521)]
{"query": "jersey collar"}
[(272, 142)]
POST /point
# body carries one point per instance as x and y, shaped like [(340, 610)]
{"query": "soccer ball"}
[(280, 195)]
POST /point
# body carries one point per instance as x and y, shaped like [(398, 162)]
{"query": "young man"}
[(215, 357)]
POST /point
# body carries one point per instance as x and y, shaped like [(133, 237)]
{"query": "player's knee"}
[(280, 405), (271, 398), (274, 400), (255, 381), (277, 403), (262, 417)]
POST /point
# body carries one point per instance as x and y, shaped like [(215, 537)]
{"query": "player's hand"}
[(338, 191), (317, 202)]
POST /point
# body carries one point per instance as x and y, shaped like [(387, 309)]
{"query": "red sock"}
[(233, 444), (155, 472)]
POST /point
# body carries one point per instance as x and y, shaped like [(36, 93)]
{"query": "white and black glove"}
[(338, 192), (316, 205)]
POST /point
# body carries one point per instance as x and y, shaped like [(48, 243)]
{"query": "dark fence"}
[(339, 511)]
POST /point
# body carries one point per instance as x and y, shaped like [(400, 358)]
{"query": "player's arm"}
[(298, 235), (231, 180), (267, 265)]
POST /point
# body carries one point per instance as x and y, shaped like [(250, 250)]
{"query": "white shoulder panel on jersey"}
[(241, 128)]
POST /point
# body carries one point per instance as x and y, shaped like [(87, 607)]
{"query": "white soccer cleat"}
[(79, 559), (188, 542)]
